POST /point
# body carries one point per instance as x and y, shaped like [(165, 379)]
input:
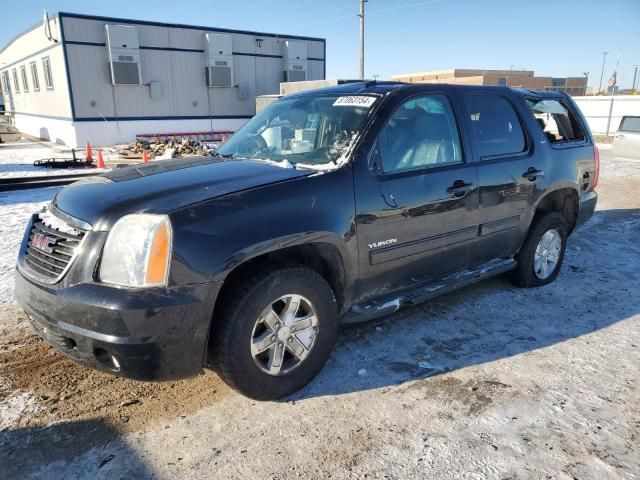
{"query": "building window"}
[(46, 67), (34, 77), (558, 82), (16, 85), (5, 82), (25, 82), (502, 81)]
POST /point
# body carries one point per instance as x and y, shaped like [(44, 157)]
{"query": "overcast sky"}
[(556, 38)]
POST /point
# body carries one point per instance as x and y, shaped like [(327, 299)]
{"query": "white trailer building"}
[(76, 78)]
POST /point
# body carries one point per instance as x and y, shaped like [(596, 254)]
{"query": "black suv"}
[(335, 205)]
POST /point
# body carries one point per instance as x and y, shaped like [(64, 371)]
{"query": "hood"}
[(164, 186)]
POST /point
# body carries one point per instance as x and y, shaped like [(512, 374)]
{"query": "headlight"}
[(137, 251)]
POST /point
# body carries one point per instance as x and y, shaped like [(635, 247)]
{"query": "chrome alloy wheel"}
[(284, 334), (547, 254)]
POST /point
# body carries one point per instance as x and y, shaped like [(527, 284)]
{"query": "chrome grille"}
[(52, 246)]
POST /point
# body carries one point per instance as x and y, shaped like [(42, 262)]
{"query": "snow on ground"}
[(15, 209), (16, 160), (490, 382), (15, 406)]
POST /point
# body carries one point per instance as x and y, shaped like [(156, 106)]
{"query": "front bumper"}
[(151, 334)]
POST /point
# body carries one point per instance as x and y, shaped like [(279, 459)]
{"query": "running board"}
[(426, 291)]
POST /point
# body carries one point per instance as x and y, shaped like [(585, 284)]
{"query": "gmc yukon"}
[(335, 205)]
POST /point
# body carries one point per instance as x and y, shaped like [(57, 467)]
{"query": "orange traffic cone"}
[(88, 155), (145, 157), (100, 160)]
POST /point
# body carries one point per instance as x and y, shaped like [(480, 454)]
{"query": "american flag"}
[(613, 79)]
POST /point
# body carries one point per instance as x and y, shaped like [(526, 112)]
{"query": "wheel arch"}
[(563, 199), (321, 255)]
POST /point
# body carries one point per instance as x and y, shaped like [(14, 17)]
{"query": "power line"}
[(379, 10), (408, 5)]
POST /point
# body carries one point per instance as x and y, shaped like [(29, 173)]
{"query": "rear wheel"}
[(541, 256), (276, 331)]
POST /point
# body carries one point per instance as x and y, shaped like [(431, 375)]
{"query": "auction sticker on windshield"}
[(355, 101)]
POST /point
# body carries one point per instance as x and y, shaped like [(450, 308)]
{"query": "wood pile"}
[(156, 148)]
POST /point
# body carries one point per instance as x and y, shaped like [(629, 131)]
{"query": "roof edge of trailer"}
[(157, 24), (186, 26), (24, 32)]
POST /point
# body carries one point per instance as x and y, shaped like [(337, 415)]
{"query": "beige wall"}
[(514, 78), (29, 47)]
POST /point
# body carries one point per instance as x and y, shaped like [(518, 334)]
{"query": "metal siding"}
[(315, 70), (315, 50), (244, 73), (257, 71), (31, 47), (82, 30), (89, 72), (135, 100), (43, 102), (225, 101), (268, 75), (187, 84), (244, 43), (185, 38), (155, 36)]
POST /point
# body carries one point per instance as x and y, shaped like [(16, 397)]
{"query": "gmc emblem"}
[(42, 242)]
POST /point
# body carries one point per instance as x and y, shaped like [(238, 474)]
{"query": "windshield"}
[(308, 130)]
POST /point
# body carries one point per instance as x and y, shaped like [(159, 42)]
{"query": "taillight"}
[(596, 174)]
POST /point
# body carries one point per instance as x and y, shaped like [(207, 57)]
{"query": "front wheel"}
[(541, 256), (276, 331)]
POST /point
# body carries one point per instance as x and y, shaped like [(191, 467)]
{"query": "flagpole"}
[(613, 93)]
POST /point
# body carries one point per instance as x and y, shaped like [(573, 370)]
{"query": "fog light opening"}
[(106, 359), (115, 362)]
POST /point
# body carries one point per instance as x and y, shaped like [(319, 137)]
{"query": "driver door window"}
[(421, 133)]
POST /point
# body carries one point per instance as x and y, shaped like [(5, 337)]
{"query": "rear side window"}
[(557, 121), (630, 124), (496, 128)]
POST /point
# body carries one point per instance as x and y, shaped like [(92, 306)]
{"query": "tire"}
[(525, 273), (235, 331)]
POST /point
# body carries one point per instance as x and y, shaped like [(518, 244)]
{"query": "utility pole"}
[(361, 15), (635, 74), (604, 59)]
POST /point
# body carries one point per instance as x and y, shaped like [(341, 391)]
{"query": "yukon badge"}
[(383, 243)]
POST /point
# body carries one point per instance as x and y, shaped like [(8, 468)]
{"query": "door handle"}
[(460, 189), (533, 174)]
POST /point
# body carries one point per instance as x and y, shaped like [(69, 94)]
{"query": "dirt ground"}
[(488, 382)]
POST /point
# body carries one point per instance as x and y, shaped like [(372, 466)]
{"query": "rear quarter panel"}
[(567, 166)]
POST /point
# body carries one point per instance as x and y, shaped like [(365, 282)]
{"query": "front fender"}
[(214, 237)]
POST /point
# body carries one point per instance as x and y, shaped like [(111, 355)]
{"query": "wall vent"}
[(218, 51), (294, 55), (123, 51)]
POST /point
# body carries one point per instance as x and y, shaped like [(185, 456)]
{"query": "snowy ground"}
[(16, 160), (490, 382)]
